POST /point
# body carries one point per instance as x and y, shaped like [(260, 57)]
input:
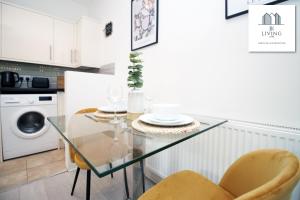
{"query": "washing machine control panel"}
[(32, 99)]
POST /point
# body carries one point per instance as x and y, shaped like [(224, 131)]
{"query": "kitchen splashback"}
[(50, 71), (32, 69)]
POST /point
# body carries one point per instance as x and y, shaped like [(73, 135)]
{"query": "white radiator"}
[(211, 153)]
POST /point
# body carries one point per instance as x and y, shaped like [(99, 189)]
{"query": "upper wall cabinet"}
[(64, 40), (89, 50), (26, 36)]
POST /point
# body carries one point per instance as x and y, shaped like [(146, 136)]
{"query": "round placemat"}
[(151, 129), (105, 115)]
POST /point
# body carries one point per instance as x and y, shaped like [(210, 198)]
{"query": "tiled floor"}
[(59, 187), (27, 169)]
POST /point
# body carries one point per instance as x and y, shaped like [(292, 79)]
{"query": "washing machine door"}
[(30, 123)]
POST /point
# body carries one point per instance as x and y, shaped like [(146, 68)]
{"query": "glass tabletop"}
[(102, 144)]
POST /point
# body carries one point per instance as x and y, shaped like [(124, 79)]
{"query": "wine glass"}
[(115, 95), (148, 104)]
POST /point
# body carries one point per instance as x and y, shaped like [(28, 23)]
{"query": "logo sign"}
[(272, 28)]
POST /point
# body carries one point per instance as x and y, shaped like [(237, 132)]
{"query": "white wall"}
[(202, 62), (65, 9)]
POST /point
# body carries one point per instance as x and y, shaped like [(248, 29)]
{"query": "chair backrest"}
[(263, 175), (82, 111)]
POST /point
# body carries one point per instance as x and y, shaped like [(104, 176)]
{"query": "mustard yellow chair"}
[(80, 163), (261, 175)]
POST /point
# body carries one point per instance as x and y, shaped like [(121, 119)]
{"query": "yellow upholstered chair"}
[(260, 175), (81, 164)]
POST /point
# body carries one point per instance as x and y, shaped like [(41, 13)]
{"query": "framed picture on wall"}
[(144, 23), (234, 8)]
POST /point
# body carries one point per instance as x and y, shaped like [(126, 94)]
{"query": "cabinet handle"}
[(75, 56), (12, 102), (71, 56), (50, 52)]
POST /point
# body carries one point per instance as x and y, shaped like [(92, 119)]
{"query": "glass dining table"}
[(107, 147)]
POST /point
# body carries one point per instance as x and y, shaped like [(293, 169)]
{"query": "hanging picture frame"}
[(234, 8), (144, 23), (272, 28)]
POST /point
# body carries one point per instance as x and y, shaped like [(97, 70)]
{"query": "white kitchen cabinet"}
[(89, 50), (0, 31), (64, 46), (26, 35), (30, 36)]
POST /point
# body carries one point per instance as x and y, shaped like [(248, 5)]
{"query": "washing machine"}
[(25, 128)]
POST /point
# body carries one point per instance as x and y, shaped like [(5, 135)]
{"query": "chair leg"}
[(88, 184), (126, 183), (112, 174), (75, 180), (143, 174)]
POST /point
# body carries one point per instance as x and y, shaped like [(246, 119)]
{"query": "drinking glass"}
[(115, 95), (148, 104)]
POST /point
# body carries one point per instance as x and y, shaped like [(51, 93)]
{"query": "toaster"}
[(38, 82)]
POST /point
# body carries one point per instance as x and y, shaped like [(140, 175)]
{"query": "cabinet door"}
[(26, 36), (89, 33), (64, 43), (0, 37)]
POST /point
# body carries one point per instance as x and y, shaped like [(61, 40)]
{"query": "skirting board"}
[(153, 175)]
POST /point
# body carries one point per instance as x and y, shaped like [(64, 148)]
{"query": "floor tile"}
[(45, 158), (33, 191), (12, 194), (13, 180), (49, 169), (59, 187), (12, 166)]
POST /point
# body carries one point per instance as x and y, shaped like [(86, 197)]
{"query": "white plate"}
[(166, 117), (181, 120), (111, 108)]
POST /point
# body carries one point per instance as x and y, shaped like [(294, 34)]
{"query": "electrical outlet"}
[(27, 78)]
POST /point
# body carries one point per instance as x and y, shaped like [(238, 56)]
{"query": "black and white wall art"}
[(144, 23), (272, 28), (234, 8)]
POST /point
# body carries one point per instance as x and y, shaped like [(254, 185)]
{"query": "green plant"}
[(135, 71)]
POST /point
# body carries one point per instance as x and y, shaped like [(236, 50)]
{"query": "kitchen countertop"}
[(8, 90)]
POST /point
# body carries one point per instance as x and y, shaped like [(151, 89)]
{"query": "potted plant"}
[(135, 83)]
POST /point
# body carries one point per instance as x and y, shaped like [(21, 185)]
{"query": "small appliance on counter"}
[(38, 82), (13, 83), (9, 79)]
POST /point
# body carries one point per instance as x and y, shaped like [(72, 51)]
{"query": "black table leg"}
[(75, 180), (88, 184), (138, 180), (110, 166), (126, 183), (143, 174)]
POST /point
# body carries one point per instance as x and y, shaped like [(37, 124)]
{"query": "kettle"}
[(9, 79)]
